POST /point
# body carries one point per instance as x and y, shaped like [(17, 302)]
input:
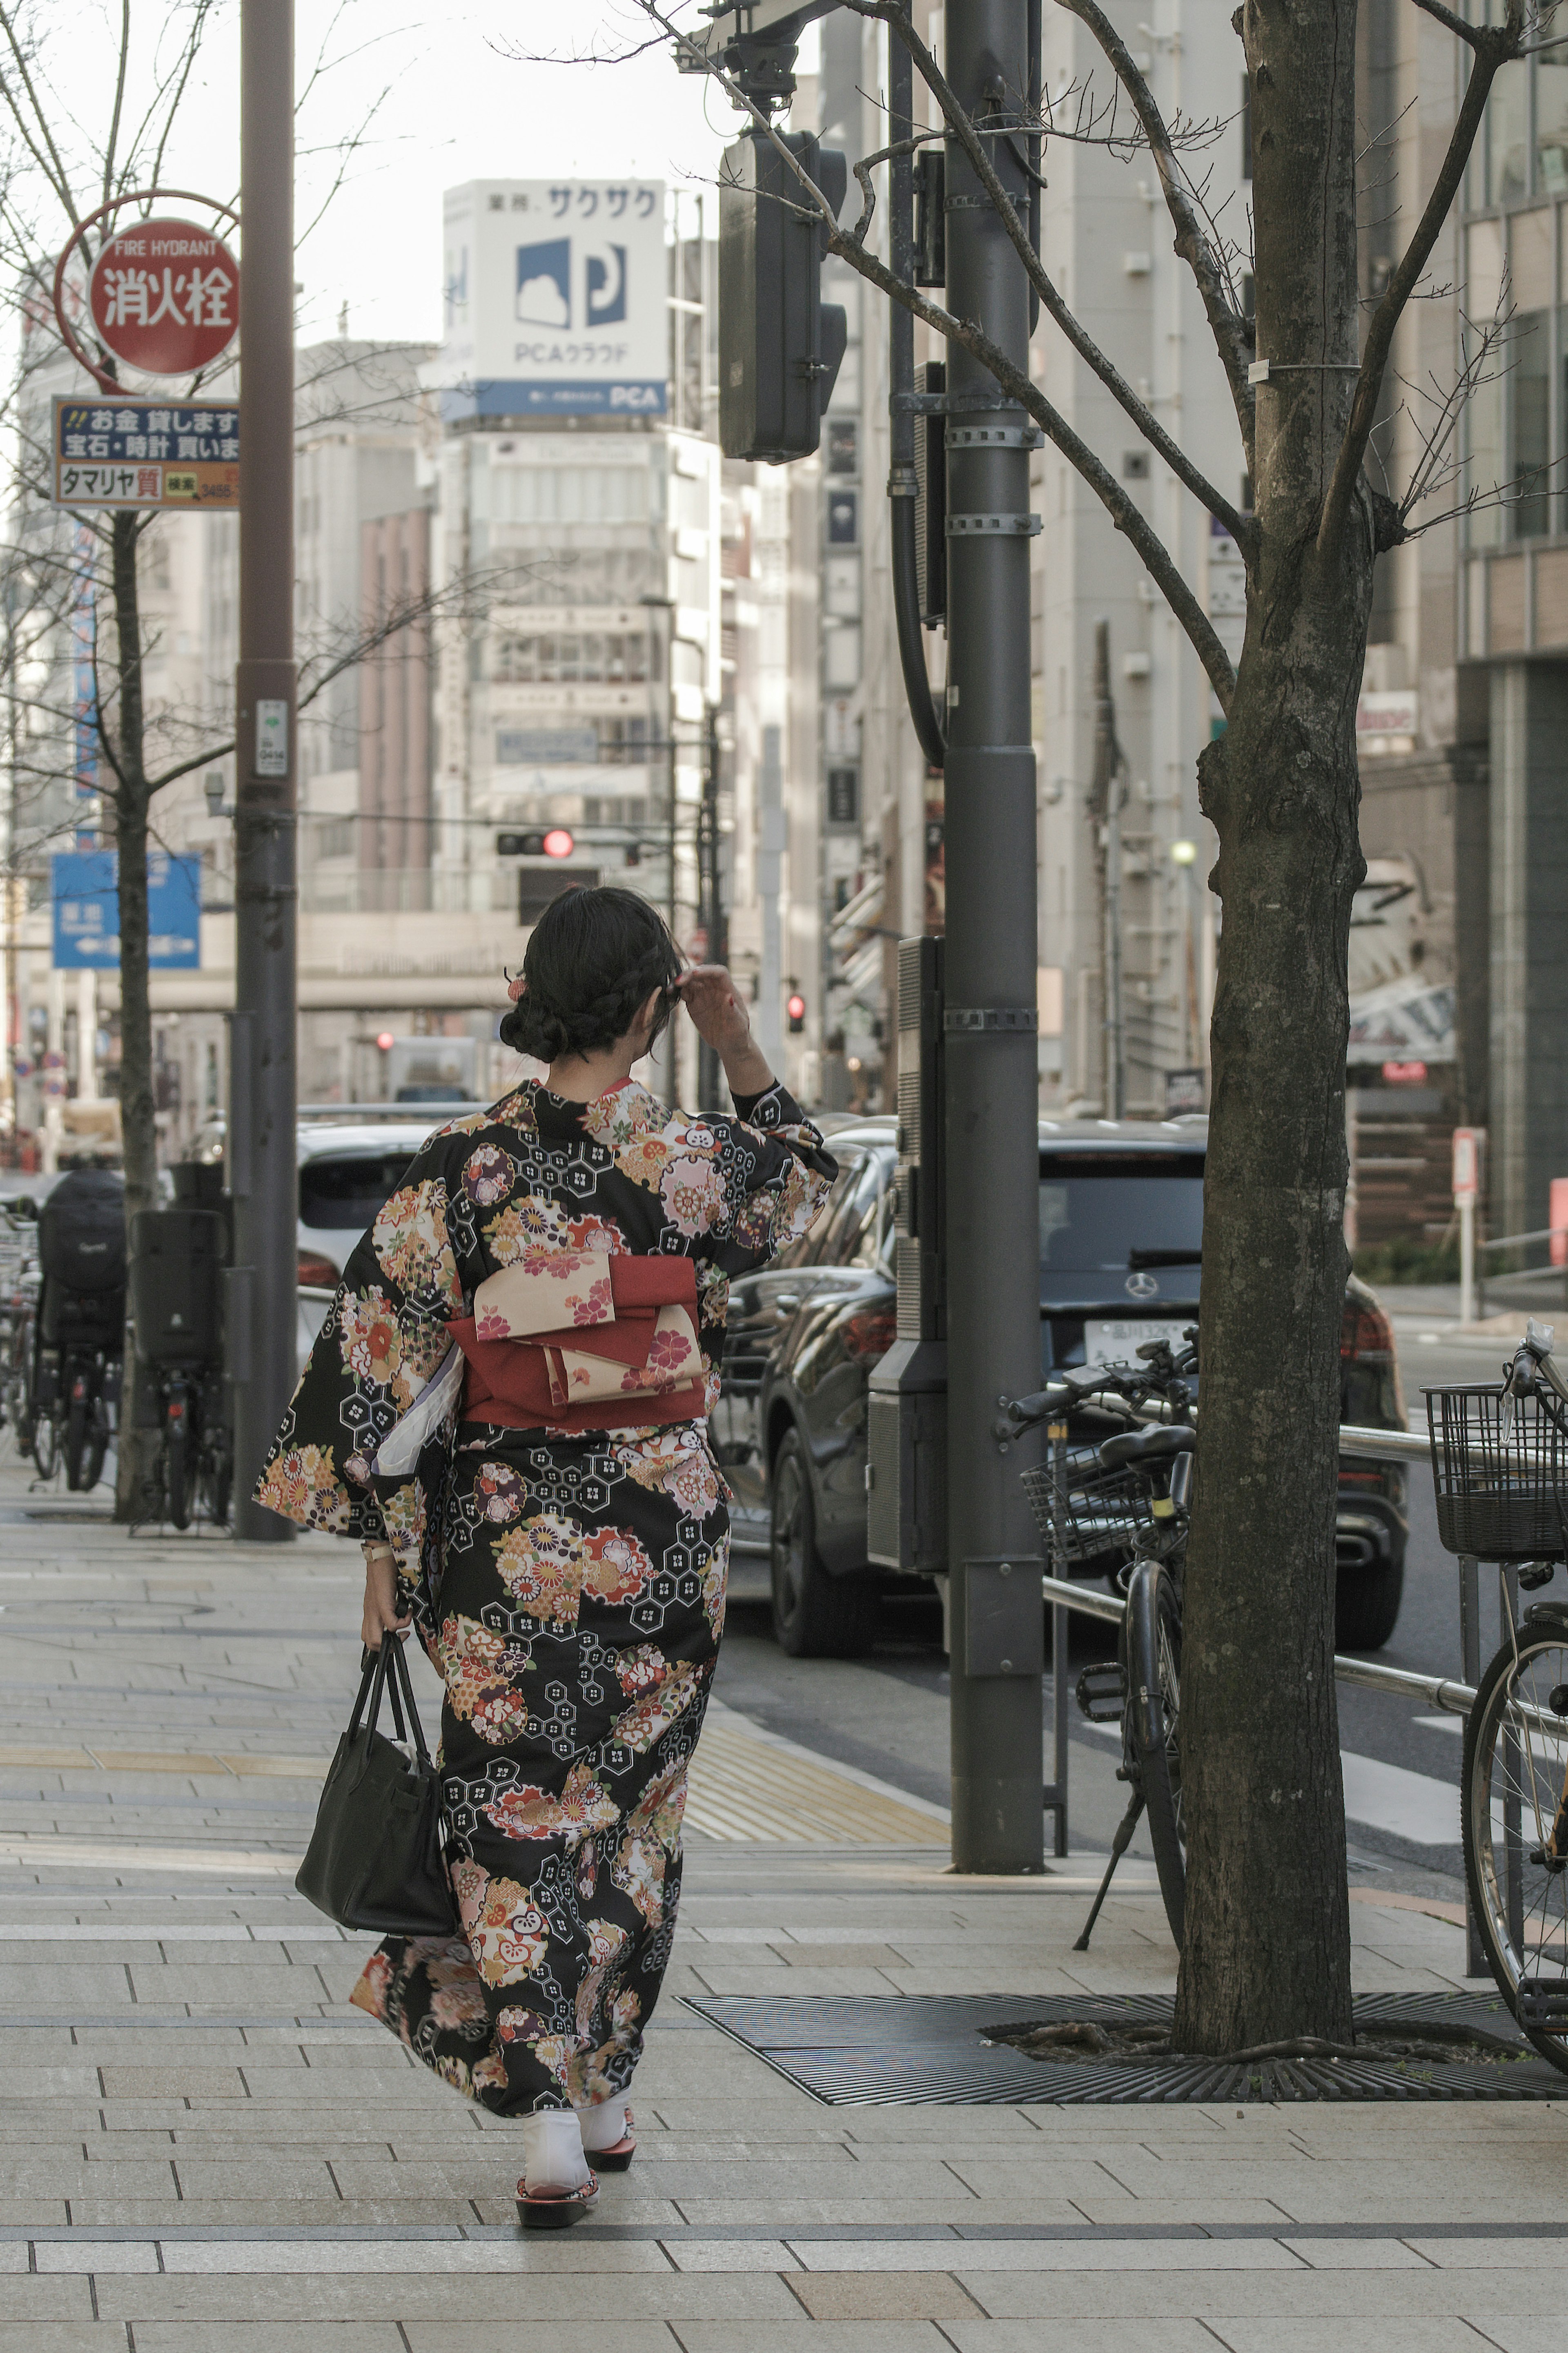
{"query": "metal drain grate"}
[(856, 2050)]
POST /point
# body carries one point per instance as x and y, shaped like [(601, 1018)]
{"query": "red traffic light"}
[(386, 1041), (558, 842), (795, 1008)]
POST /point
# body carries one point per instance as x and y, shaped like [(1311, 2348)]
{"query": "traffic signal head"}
[(555, 842), (795, 1008), (779, 344)]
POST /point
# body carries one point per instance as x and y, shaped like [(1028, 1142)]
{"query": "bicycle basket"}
[(1500, 1464), (1098, 1515)]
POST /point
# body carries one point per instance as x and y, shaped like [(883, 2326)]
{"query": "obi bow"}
[(584, 1340)]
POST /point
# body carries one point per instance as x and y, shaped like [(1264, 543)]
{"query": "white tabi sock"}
[(603, 2126), (553, 2151)]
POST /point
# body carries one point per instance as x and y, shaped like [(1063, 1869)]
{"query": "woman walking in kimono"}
[(507, 1407)]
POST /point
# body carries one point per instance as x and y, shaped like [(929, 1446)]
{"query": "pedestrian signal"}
[(795, 1008)]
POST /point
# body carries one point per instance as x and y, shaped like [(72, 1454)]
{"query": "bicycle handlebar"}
[(1076, 1383)]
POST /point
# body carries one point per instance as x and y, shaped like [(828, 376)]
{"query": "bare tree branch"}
[(1494, 45), (1232, 335), (1127, 517), (1446, 17), (897, 18)]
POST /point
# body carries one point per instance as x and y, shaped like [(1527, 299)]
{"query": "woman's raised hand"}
[(720, 1019), (714, 1003)]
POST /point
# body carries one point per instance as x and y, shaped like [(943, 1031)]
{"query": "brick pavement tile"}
[(798, 2216), (473, 2302), (1282, 2334), (886, 2296), (28, 2083), (29, 2298), (1488, 2254), (144, 2178), (804, 2335), (172, 2083), (545, 2337), (1077, 2335), (252, 2176), (247, 1984), (287, 2213), (61, 2336), (33, 2214), (64, 1986), (271, 2337), (1303, 2295)]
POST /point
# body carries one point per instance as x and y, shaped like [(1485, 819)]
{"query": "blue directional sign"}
[(85, 887)]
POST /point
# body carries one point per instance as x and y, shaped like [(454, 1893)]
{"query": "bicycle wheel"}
[(1512, 1801), (1152, 1735)]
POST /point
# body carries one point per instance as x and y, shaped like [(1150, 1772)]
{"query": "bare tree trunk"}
[(1266, 1955), (137, 1109)]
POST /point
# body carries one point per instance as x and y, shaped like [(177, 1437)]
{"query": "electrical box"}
[(906, 1409)]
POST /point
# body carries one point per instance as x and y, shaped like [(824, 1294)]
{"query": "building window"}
[(1529, 424), (612, 657), (1522, 149)]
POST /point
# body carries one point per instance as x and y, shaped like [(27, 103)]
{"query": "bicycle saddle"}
[(1156, 1444)]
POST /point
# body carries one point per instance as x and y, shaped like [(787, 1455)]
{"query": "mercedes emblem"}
[(1142, 1285)]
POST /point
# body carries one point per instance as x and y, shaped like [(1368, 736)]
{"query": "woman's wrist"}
[(746, 1069)]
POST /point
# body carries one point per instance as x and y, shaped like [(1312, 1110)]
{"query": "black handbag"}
[(374, 1857)]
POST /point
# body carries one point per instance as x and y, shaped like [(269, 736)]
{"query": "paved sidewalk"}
[(206, 2148)]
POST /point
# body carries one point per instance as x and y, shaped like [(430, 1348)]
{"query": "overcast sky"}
[(459, 109)]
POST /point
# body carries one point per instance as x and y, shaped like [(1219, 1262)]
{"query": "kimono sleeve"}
[(774, 1179), (384, 1336)]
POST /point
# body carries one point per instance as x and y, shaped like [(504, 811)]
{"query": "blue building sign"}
[(84, 886)]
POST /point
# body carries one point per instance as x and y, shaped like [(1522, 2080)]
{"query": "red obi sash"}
[(581, 1340)]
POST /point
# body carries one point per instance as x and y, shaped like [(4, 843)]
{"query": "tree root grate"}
[(961, 2051)]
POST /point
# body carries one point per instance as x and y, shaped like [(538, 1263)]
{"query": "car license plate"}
[(1118, 1343)]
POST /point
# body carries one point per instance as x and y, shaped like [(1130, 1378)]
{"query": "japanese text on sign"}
[(136, 453), (164, 295)]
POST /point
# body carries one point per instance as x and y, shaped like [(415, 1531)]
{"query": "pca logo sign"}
[(545, 288)]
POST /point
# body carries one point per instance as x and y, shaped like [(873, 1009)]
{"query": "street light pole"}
[(710, 915), (990, 1021), (261, 1319)]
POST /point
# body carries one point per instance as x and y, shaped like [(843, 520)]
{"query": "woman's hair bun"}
[(594, 958)]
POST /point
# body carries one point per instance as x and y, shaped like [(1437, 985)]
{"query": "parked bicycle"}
[(1500, 1456), (177, 1257), (18, 1310), (80, 1332), (1124, 1504)]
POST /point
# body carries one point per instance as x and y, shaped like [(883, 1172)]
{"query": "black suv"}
[(1118, 1203)]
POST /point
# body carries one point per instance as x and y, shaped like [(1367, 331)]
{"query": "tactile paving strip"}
[(851, 2049)]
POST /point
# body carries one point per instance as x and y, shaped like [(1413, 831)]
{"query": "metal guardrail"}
[(1438, 1691)]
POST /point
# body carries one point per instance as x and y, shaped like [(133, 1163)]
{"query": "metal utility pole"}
[(990, 1022), (709, 913), (262, 1077)]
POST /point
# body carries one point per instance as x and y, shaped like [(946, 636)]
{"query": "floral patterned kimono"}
[(569, 1586)]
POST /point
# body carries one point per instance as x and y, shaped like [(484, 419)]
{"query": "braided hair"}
[(593, 959)]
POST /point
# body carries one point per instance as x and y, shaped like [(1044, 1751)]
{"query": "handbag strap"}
[(394, 1680), (401, 1675), (371, 1680)]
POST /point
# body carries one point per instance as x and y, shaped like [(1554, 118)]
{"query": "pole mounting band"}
[(990, 1020), (993, 526), (993, 436), (952, 404)]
